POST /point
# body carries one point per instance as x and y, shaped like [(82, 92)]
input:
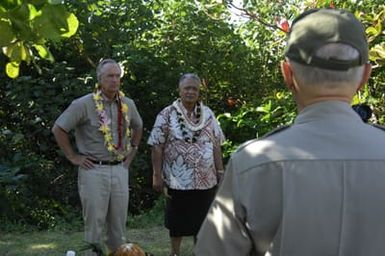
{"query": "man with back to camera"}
[(108, 129), (317, 187)]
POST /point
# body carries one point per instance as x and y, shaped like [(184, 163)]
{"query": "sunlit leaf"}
[(24, 12), (44, 52), (17, 52), (73, 24), (11, 51), (32, 11), (56, 23), (379, 26), (372, 31), (55, 1), (24, 53), (10, 4), (12, 69), (378, 51)]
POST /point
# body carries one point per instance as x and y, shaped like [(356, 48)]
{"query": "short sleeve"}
[(136, 120), (218, 133), (160, 130), (72, 116)]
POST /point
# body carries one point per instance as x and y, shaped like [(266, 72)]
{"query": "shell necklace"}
[(186, 124)]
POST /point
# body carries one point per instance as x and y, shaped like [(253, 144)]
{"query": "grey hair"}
[(191, 76), (102, 64), (313, 76)]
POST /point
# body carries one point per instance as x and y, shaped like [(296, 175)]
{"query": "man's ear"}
[(287, 73), (365, 75)]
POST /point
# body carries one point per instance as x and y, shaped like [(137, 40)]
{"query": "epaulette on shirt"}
[(275, 131), (378, 126)]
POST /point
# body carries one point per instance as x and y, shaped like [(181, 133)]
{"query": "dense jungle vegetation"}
[(50, 51)]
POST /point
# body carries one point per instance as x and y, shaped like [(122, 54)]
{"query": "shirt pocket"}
[(92, 131), (94, 122)]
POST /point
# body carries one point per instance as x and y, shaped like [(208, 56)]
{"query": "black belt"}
[(115, 162)]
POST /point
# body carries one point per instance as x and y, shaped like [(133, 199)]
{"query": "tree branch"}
[(252, 16)]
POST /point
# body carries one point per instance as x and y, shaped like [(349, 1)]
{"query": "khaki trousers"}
[(104, 196)]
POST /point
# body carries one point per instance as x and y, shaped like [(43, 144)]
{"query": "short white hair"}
[(99, 68), (190, 76), (314, 76)]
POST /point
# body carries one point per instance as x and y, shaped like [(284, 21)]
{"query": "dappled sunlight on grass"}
[(43, 246), (43, 243), (153, 239)]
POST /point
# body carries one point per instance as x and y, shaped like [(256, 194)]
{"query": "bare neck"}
[(189, 106), (109, 95)]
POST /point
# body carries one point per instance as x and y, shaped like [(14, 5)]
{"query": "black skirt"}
[(186, 210)]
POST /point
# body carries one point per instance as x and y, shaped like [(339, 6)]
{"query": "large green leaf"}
[(73, 25), (25, 12), (17, 52), (55, 23), (10, 4), (12, 69), (20, 18), (24, 24), (7, 35)]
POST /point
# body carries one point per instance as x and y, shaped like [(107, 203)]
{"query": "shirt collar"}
[(326, 110), (104, 98)]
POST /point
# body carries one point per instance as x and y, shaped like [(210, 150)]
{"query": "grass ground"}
[(55, 243), (145, 229)]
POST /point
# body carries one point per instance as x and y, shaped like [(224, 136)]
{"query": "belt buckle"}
[(107, 162)]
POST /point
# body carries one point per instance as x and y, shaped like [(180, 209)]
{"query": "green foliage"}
[(254, 120), (26, 26), (261, 31), (29, 150), (156, 41), (147, 218)]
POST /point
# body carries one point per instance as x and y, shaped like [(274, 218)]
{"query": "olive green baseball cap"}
[(318, 27)]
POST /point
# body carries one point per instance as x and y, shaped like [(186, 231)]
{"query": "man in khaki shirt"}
[(318, 187), (108, 129)]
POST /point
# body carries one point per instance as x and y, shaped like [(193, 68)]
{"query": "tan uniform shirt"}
[(316, 188), (81, 115)]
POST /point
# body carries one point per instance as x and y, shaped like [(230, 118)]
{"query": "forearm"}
[(156, 158), (136, 136), (218, 158)]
